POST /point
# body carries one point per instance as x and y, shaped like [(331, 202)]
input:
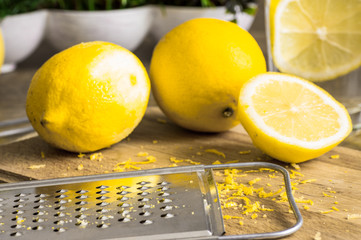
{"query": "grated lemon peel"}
[(216, 152)]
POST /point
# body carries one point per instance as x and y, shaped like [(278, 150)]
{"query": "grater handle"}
[(291, 200)]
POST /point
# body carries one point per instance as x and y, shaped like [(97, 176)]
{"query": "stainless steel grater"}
[(165, 203)]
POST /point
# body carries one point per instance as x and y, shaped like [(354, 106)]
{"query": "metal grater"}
[(165, 203)]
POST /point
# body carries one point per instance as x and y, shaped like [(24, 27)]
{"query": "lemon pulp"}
[(290, 118), (317, 40)]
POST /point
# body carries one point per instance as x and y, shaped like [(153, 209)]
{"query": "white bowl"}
[(125, 27), (168, 17), (22, 35)]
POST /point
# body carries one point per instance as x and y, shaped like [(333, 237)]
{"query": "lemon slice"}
[(317, 40), (291, 119)]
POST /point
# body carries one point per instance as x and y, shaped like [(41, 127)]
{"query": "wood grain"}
[(339, 178)]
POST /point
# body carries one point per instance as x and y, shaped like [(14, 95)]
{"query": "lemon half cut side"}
[(317, 40), (291, 119)]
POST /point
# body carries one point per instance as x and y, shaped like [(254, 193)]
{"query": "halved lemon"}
[(291, 119), (317, 40)]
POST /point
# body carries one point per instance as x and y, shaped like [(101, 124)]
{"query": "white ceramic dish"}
[(168, 17), (22, 34), (125, 27)]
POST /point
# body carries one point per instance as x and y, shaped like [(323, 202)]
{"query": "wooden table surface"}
[(327, 189)]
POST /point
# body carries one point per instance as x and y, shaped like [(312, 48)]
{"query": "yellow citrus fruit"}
[(88, 97), (291, 119), (197, 70), (2, 50), (317, 40)]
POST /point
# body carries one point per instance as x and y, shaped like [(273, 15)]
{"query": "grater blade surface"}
[(165, 203), (164, 206)]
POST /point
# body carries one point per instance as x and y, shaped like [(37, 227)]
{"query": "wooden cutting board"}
[(328, 188)]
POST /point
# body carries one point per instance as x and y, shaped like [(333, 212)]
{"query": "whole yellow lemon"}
[(88, 97), (197, 70)]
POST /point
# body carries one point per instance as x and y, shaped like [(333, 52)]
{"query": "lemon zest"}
[(326, 212), (37, 166), (245, 152), (216, 152), (80, 167), (96, 156), (142, 154)]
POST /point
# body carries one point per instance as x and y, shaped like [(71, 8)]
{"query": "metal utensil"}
[(165, 203)]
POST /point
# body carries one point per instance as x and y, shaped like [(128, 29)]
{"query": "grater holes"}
[(165, 200), (61, 196), (60, 208), (39, 213), (21, 200), (123, 205), (81, 209), (144, 206), (38, 220), (163, 183), (38, 228), (102, 192), (81, 191), (164, 194), (103, 225), (81, 223), (144, 199), (122, 187), (123, 198), (81, 197), (81, 203), (59, 214), (59, 222), (60, 230), (123, 193), (145, 213), (39, 201), (104, 218), (124, 213), (143, 183), (125, 219), (61, 191), (20, 195), (102, 204), (102, 198), (42, 195), (16, 226), (146, 222), (102, 187), (62, 201), (102, 210), (167, 215), (144, 193), (164, 188), (81, 216), (18, 206), (143, 188), (16, 234), (39, 207), (166, 208), (18, 212)]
